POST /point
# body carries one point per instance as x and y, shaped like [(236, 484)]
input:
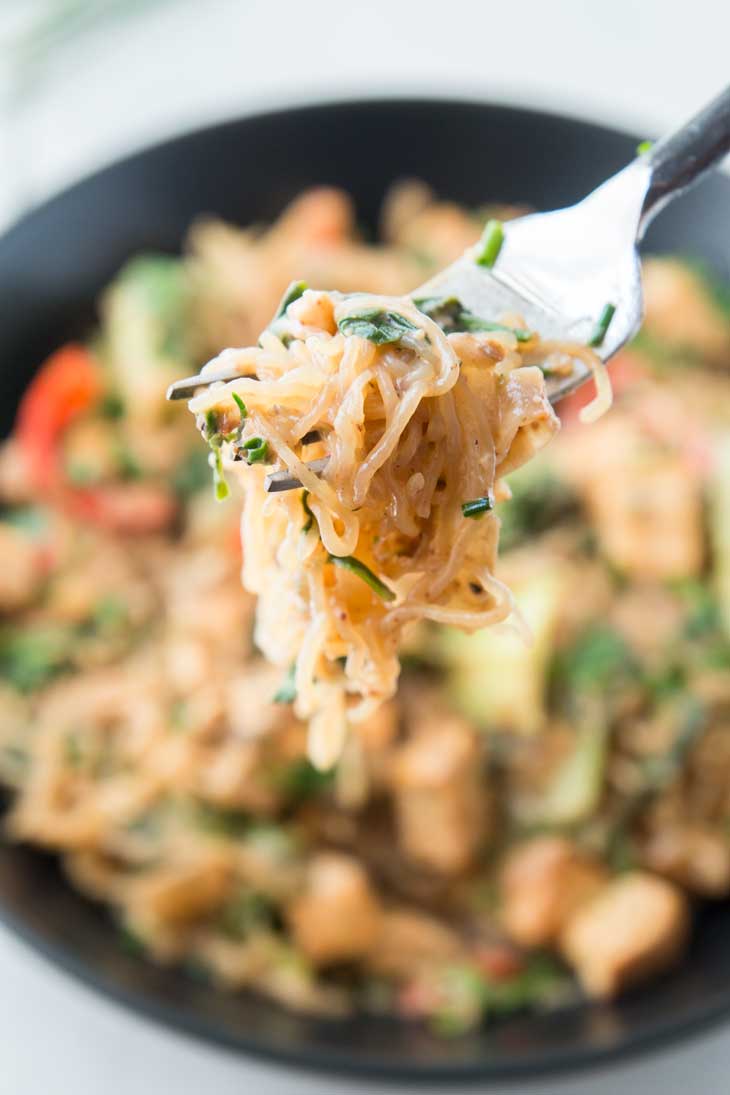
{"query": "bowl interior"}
[(52, 266)]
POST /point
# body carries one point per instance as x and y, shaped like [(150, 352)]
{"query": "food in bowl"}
[(518, 814)]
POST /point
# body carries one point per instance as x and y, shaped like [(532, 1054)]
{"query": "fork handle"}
[(680, 158)]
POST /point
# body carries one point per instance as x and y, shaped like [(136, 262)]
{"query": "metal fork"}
[(564, 271)]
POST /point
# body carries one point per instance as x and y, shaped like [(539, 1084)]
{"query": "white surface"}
[(642, 63)]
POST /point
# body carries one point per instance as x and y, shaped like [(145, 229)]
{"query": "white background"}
[(643, 64)]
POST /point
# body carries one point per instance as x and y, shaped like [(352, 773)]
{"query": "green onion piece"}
[(256, 450), (211, 424), (240, 404), (132, 943), (349, 562), (604, 322), (129, 465), (219, 480), (295, 290), (377, 327), (310, 516), (477, 506), (287, 690), (112, 406), (644, 147), (451, 315), (475, 323), (490, 244)]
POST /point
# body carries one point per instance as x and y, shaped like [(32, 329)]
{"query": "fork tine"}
[(283, 480), (189, 385)]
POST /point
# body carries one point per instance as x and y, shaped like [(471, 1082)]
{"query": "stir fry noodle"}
[(413, 429)]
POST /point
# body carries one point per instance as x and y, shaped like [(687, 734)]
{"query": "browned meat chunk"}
[(409, 940), (696, 856), (439, 793), (542, 883), (338, 915), (635, 927)]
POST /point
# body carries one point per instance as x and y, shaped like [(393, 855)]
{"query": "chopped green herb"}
[(31, 657), (129, 465), (643, 147), (215, 439), (597, 662), (211, 425), (475, 323), (477, 507), (468, 994), (604, 322), (245, 912), (301, 780), (132, 943), (490, 244), (462, 992), (256, 450), (221, 822), (110, 613), (287, 690), (377, 327), (112, 406), (349, 562), (220, 485), (310, 516), (241, 405), (539, 500), (451, 315), (295, 290)]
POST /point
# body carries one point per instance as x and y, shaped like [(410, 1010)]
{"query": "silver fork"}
[(572, 274)]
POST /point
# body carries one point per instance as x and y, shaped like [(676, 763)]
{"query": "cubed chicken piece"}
[(440, 796), (695, 856), (635, 927), (648, 517), (20, 571), (680, 310), (183, 893), (543, 882), (409, 940), (338, 916)]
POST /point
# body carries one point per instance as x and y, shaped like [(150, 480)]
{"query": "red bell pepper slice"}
[(67, 384)]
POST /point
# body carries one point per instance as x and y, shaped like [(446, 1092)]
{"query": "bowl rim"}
[(652, 1037)]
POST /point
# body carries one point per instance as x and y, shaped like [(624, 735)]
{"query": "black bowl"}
[(52, 266)]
